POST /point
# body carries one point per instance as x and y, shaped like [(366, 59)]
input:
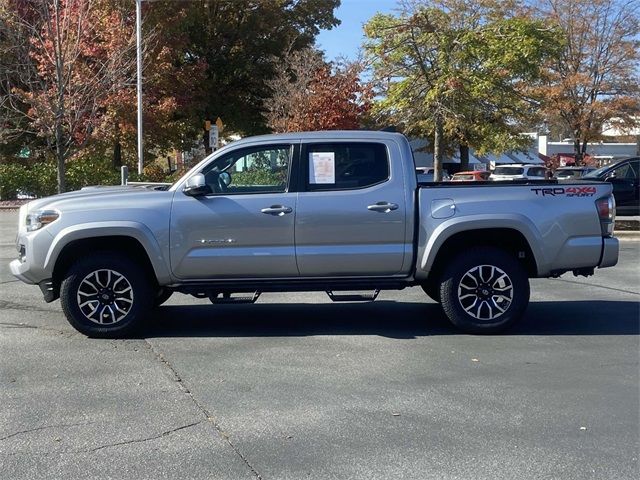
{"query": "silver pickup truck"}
[(340, 212)]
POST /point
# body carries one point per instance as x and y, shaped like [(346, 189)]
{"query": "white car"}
[(519, 172)]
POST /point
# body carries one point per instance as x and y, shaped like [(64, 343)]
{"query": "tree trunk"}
[(437, 151), (577, 152), (583, 152), (60, 154), (117, 149), (60, 106), (464, 158)]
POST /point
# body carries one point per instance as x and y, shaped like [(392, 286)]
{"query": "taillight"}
[(606, 207)]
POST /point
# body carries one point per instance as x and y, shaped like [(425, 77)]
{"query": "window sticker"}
[(322, 167)]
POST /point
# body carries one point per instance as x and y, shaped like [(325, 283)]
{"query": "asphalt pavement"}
[(297, 387)]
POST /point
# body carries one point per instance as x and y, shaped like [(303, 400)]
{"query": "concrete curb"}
[(627, 235)]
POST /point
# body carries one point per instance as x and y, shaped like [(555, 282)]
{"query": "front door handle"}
[(383, 207), (278, 210)]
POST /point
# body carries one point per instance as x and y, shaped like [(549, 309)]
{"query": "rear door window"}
[(344, 166)]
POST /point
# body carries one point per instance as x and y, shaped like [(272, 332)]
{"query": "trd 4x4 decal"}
[(567, 192)]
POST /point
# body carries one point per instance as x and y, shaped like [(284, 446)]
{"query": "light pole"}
[(139, 85)]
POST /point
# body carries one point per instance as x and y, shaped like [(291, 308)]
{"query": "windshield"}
[(508, 171)]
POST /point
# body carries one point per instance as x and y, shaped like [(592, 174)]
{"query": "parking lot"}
[(297, 387)]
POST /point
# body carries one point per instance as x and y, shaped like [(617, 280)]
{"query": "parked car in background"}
[(519, 172), (571, 173), (475, 176), (625, 178), (426, 174)]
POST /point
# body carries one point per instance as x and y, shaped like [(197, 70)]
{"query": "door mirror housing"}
[(225, 177), (196, 186)]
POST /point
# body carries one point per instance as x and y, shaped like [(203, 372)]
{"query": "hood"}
[(95, 197)]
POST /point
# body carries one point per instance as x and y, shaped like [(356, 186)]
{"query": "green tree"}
[(242, 44), (458, 71)]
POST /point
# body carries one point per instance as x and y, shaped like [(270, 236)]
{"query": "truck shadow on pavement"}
[(401, 320)]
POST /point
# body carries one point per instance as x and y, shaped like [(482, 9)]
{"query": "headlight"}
[(38, 219)]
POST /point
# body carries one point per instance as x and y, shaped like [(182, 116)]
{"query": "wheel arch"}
[(523, 243), (136, 243)]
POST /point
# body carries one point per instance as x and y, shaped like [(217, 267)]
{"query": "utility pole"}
[(139, 86)]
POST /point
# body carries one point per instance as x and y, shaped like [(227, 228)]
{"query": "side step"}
[(226, 298), (353, 297)]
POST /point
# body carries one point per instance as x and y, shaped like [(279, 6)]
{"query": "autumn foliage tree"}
[(67, 71), (457, 71), (595, 79), (311, 94), (65, 64)]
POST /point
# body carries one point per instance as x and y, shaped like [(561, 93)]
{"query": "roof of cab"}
[(321, 135)]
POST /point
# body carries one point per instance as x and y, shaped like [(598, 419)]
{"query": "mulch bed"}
[(10, 204)]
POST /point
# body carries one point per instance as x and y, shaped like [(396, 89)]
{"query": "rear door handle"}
[(383, 207), (278, 210)]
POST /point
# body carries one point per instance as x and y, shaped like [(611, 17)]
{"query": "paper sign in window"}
[(322, 167)]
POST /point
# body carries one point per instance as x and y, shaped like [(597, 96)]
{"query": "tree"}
[(310, 94), (595, 79), (172, 83), (457, 71), (67, 71), (54, 89), (242, 44)]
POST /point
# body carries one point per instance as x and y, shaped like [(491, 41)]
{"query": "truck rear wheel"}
[(484, 290), (106, 295)]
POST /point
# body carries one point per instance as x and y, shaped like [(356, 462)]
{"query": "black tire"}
[(162, 296), (123, 295), (432, 289), (501, 291)]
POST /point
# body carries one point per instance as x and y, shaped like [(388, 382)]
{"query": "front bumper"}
[(21, 271), (610, 249)]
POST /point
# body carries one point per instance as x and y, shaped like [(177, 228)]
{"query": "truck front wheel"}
[(106, 295), (484, 290)]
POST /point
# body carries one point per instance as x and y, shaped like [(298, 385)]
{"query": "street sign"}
[(219, 124), (213, 137)]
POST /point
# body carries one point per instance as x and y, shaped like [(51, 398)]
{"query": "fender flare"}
[(135, 230), (428, 251)]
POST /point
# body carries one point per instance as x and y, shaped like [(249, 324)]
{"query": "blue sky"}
[(345, 40)]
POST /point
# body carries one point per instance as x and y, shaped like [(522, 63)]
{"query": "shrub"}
[(14, 179)]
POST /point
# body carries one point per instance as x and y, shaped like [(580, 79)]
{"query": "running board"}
[(353, 297), (226, 298)]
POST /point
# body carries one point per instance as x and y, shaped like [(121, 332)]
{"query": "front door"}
[(244, 228), (625, 185), (351, 214)]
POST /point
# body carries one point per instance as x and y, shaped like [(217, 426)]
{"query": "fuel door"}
[(443, 208)]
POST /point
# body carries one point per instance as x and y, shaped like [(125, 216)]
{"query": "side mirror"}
[(196, 186), (225, 177)]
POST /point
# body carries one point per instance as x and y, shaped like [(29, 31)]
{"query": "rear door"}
[(351, 211)]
